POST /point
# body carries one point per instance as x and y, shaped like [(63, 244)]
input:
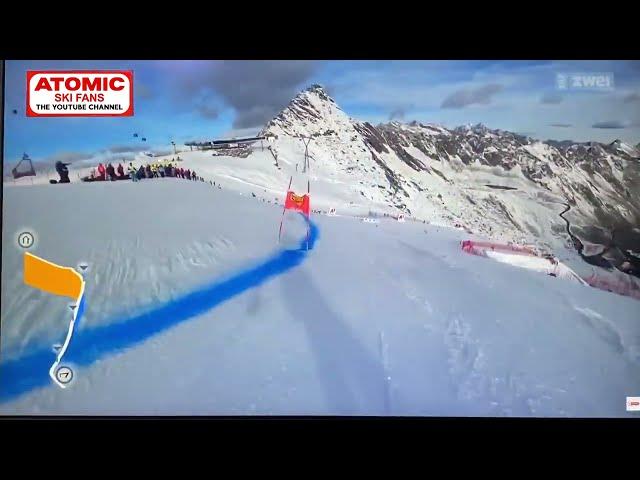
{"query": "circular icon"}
[(25, 239), (64, 375)]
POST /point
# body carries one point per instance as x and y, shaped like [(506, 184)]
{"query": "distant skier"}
[(63, 171)]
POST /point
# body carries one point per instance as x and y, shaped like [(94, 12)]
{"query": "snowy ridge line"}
[(29, 372)]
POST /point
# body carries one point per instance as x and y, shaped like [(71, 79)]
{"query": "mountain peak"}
[(316, 87), (312, 111), (318, 90)]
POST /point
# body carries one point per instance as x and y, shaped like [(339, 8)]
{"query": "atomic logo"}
[(80, 93)]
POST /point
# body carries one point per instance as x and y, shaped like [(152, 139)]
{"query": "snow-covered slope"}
[(499, 184), (377, 319)]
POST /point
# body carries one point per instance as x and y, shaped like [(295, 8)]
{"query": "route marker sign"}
[(64, 375), (56, 280)]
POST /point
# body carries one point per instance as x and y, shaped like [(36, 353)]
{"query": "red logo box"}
[(79, 93)]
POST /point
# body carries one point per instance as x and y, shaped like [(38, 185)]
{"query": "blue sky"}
[(194, 100)]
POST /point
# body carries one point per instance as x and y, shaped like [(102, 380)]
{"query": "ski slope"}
[(384, 318)]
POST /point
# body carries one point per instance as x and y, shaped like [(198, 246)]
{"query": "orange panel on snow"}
[(51, 278)]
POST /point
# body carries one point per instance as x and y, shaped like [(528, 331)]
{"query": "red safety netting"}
[(621, 286), (479, 248)]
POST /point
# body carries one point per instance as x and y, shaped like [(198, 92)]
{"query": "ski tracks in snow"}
[(481, 389), (384, 356), (629, 347), (602, 327), (484, 391), (355, 380), (465, 358), (122, 269)]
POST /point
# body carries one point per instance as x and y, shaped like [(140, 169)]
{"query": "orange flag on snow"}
[(52, 278)]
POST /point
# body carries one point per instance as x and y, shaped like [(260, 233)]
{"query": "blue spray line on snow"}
[(30, 371)]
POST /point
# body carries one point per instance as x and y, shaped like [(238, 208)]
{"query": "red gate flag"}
[(298, 203)]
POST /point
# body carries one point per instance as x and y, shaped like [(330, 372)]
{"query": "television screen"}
[(368, 238)]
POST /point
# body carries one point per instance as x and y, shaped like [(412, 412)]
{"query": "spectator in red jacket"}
[(101, 171)]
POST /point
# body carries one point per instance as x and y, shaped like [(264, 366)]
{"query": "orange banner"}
[(52, 278)]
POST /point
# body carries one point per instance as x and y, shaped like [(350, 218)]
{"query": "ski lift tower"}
[(174, 147), (306, 140)]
